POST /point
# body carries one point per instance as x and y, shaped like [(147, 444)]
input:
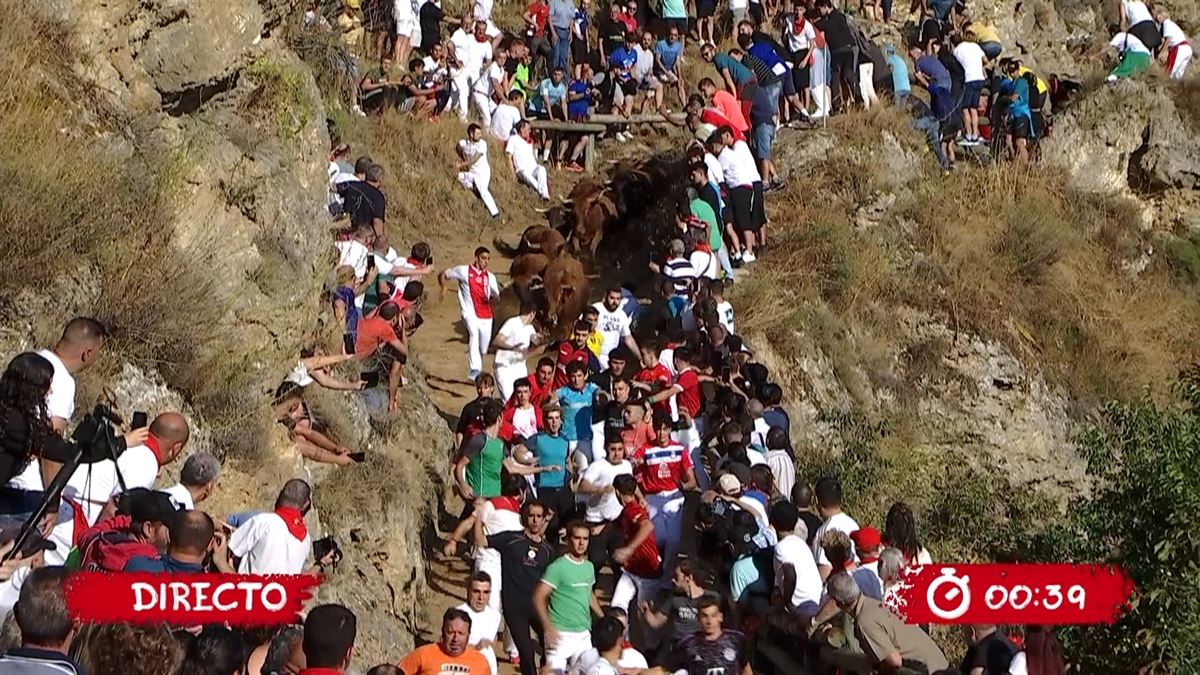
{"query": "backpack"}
[(110, 545)]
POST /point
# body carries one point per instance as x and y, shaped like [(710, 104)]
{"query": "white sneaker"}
[(358, 111), (748, 257)]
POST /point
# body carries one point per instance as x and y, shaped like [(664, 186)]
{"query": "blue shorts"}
[(764, 138), (971, 92)]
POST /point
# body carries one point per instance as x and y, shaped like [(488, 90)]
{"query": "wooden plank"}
[(589, 154), (577, 127), (604, 118)]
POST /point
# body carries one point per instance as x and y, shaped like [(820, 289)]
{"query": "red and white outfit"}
[(476, 288), (1180, 49), (640, 573), (660, 468), (276, 542), (498, 514)]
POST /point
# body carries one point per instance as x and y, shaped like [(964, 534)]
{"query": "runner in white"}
[(483, 12), (513, 342), (613, 325), (1175, 41), (474, 172), (477, 290), (491, 81), (523, 160), (469, 52)]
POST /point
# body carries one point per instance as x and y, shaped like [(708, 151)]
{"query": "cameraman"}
[(26, 431)]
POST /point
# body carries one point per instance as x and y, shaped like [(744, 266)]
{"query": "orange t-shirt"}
[(373, 332), (731, 109), (431, 660)]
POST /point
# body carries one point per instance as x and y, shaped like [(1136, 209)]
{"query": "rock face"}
[(208, 91)]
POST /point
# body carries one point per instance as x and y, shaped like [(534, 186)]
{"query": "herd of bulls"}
[(546, 266)]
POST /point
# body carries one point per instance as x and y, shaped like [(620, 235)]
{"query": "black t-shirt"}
[(813, 522), (994, 653), (364, 202), (522, 563), (605, 381), (837, 31), (470, 420), (708, 194), (699, 656), (682, 611), (430, 18)]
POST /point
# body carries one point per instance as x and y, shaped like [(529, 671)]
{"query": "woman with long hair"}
[(26, 434), (1043, 654), (900, 531)]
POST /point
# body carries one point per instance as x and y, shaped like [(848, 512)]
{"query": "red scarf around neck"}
[(152, 443), (294, 521)]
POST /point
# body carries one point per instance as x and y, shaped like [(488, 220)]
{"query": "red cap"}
[(866, 538)]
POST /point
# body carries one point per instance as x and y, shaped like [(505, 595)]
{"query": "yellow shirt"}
[(984, 33), (352, 30), (595, 342), (1042, 87)]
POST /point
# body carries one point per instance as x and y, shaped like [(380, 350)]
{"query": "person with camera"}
[(192, 539), (139, 527), (28, 431), (278, 542)]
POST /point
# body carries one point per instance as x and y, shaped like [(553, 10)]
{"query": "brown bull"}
[(535, 239), (566, 288), (526, 267), (593, 212)]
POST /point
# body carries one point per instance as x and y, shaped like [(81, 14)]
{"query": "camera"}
[(324, 546)]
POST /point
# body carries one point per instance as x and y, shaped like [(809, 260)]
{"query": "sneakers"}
[(474, 374), (748, 257), (774, 186), (623, 137)]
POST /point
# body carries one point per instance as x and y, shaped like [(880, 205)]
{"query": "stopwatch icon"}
[(960, 592)]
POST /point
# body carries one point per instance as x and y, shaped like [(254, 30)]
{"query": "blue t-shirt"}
[(900, 83), (932, 68), (745, 581), (577, 412), (582, 21), (740, 73), (622, 60), (550, 451), (1020, 107), (165, 564), (549, 95), (578, 108), (668, 53)]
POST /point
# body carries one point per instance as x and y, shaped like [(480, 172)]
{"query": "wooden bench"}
[(599, 123)]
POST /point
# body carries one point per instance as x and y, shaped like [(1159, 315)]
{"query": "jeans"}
[(562, 47), (933, 136), (726, 265)]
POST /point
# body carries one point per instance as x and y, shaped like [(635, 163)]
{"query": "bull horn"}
[(541, 210)]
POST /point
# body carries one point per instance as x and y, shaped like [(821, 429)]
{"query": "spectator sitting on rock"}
[(197, 480), (383, 343), (345, 309), (364, 201), (314, 367), (292, 412)]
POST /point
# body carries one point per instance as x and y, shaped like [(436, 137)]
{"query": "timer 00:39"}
[(1048, 597)]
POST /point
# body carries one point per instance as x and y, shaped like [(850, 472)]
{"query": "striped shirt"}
[(34, 661), (682, 274)]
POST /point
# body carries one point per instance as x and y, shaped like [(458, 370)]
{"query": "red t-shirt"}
[(689, 399), (661, 375), (660, 468), (567, 353), (372, 332), (710, 116), (731, 109), (541, 15), (644, 561)]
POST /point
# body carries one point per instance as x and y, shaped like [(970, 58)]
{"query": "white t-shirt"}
[(725, 315), (784, 470), (92, 485), (476, 151), (504, 118), (614, 327), (461, 41), (403, 12), (802, 40), (486, 83), (476, 55), (970, 55), (1172, 34), (1136, 12), (60, 401), (518, 334), (483, 10), (353, 253), (604, 507), (1128, 42), (716, 175), (644, 64), (485, 625), (525, 421), (794, 551), (704, 263), (1018, 665), (738, 4), (181, 497), (401, 282), (462, 275), (267, 547), (386, 261), (840, 522), (738, 165), (522, 154), (139, 467)]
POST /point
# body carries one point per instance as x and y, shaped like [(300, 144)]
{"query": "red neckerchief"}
[(294, 521), (798, 24), (867, 560), (152, 443), (415, 263)]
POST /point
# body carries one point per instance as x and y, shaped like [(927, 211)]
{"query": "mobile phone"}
[(348, 343), (139, 421), (371, 378), (726, 372), (370, 262), (358, 456)]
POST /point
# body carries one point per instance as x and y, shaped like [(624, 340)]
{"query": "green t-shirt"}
[(674, 9), (571, 600), (483, 468), (703, 211)]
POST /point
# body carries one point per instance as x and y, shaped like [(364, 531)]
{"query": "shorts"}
[(569, 644), (705, 9), (739, 15), (628, 87), (681, 24), (971, 92), (404, 27), (758, 216), (1019, 126), (492, 30), (648, 83), (741, 204), (764, 138), (580, 53)]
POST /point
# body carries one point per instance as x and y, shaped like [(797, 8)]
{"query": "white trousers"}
[(630, 586), (483, 104), (666, 513), (479, 338), (866, 83), (462, 81), (489, 654), (536, 179), (507, 375), (569, 644), (1183, 54), (480, 183)]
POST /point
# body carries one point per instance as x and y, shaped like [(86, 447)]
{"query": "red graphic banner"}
[(1012, 594), (188, 599)]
